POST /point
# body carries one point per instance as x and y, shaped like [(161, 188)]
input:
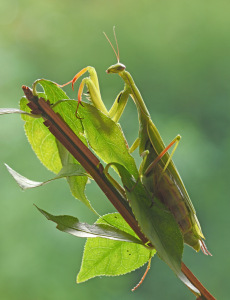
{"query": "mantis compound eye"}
[(117, 68)]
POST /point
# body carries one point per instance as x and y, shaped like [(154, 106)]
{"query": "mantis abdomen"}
[(165, 188)]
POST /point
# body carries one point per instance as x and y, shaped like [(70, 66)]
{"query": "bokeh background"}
[(179, 55)]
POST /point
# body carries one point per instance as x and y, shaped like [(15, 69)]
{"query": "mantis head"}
[(118, 67)]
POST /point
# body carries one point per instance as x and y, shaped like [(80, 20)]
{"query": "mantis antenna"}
[(115, 37)]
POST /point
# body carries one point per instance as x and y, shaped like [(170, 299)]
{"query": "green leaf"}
[(25, 183), (52, 91), (50, 152), (41, 140), (106, 138), (112, 258), (77, 183), (157, 224), (72, 226)]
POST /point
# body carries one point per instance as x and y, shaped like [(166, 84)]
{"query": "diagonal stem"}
[(93, 166)]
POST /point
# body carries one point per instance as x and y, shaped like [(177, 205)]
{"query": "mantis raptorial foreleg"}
[(92, 85), (119, 106)]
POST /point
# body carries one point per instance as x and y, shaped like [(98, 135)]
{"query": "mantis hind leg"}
[(143, 277), (174, 142)]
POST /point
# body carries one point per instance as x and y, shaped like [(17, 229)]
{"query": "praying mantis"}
[(157, 171)]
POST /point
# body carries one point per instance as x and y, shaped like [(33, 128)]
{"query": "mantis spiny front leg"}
[(92, 85)]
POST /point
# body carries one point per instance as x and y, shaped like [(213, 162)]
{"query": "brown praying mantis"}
[(157, 172)]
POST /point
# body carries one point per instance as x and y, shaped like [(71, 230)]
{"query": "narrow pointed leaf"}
[(22, 181), (25, 183), (112, 258), (72, 226), (4, 111)]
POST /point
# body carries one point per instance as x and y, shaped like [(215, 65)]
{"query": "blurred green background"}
[(179, 55)]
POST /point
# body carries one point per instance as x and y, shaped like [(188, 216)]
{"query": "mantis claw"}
[(79, 102), (79, 118)]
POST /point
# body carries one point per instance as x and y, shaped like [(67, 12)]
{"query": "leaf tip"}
[(48, 216)]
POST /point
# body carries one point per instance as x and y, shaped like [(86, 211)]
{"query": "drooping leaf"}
[(112, 258), (72, 226), (157, 224), (25, 183), (77, 183), (106, 138)]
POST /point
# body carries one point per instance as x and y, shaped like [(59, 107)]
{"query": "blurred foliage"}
[(178, 53)]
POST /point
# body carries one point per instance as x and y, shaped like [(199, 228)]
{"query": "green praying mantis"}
[(157, 171)]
